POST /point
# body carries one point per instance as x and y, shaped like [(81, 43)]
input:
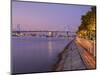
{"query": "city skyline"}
[(34, 16)]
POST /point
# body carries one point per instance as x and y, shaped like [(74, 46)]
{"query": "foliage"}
[(87, 29)]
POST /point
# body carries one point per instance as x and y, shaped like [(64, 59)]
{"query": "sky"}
[(34, 16)]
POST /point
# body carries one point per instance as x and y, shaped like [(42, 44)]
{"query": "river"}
[(31, 54)]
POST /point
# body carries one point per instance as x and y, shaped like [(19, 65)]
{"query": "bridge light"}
[(50, 33)]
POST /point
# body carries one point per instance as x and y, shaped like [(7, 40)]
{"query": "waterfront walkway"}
[(75, 57)]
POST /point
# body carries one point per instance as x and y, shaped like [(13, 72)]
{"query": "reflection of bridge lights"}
[(50, 48)]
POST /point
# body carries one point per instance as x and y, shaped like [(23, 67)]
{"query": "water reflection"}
[(50, 47), (39, 53)]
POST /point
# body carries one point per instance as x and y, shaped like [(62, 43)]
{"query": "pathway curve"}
[(73, 59)]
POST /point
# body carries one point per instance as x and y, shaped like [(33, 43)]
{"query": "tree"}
[(87, 29)]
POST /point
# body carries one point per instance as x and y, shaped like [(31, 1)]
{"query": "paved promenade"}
[(75, 57)]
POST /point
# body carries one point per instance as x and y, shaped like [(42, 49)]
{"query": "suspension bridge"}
[(43, 33)]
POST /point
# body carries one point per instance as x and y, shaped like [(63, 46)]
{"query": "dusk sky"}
[(43, 16)]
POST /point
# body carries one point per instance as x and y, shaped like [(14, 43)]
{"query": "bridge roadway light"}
[(50, 33)]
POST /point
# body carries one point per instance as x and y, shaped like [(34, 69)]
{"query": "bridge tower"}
[(18, 28)]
